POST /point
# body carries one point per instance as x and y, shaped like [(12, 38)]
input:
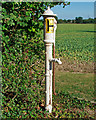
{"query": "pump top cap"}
[(48, 12)]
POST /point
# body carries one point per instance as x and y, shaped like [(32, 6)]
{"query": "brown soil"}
[(75, 66)]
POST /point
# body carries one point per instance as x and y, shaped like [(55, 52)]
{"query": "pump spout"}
[(56, 60)]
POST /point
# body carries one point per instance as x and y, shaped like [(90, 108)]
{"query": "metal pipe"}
[(48, 76), (55, 26), (54, 70)]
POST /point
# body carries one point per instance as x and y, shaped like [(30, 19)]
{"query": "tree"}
[(60, 21), (73, 21), (69, 21), (79, 19), (95, 20), (90, 20), (65, 21)]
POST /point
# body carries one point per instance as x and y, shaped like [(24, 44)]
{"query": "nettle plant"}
[(22, 56)]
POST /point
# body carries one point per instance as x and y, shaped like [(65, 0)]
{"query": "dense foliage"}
[(22, 57)]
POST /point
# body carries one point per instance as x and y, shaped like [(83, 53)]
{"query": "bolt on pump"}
[(49, 39)]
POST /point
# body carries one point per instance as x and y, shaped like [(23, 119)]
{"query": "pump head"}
[(49, 13), (49, 26)]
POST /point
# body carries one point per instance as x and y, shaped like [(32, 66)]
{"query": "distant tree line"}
[(77, 20)]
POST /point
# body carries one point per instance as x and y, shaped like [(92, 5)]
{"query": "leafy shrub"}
[(22, 58)]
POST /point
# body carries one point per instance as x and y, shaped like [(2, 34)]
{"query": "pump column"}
[(48, 76), (49, 40)]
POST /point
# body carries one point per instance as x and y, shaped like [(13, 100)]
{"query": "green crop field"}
[(75, 43), (80, 85)]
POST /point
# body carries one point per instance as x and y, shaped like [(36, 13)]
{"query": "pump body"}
[(49, 39)]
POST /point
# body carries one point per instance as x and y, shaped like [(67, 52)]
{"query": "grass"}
[(65, 106), (75, 46), (79, 85), (75, 41)]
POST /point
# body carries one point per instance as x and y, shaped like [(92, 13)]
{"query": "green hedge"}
[(22, 58), (22, 50)]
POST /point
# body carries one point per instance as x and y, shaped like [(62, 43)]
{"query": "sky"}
[(75, 9)]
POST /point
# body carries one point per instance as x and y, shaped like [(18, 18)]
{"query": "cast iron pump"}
[(49, 39)]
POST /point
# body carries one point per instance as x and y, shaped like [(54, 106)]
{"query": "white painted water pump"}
[(49, 39)]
